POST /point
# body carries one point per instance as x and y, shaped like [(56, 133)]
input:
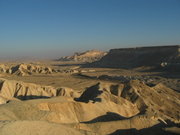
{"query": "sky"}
[(54, 28)]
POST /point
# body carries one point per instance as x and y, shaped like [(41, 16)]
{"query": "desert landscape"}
[(89, 67), (125, 91)]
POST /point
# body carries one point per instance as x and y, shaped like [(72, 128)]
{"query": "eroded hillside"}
[(103, 108)]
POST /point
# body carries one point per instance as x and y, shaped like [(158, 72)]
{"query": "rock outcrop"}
[(88, 56), (10, 89), (31, 69), (5, 69), (26, 69), (155, 100)]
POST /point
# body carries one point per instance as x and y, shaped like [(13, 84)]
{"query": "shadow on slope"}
[(158, 129), (109, 116), (69, 64), (90, 93), (21, 97)]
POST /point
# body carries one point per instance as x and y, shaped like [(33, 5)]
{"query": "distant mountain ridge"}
[(87, 56), (164, 56)]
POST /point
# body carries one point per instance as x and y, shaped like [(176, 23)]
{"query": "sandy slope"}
[(35, 128), (102, 108)]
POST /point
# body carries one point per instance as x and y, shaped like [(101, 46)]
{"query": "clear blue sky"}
[(54, 28)]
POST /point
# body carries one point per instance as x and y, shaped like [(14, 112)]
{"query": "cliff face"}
[(88, 56), (141, 56)]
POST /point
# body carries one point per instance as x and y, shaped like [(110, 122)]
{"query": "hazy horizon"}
[(51, 29)]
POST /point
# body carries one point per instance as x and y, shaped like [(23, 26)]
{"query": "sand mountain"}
[(88, 56)]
